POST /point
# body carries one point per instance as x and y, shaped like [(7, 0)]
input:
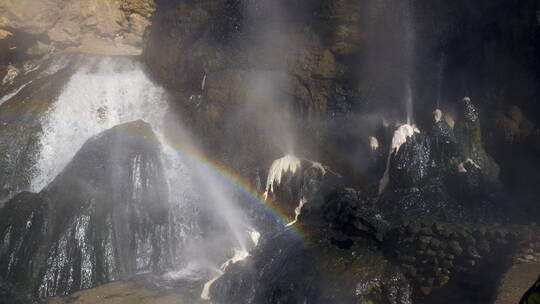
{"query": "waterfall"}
[(103, 93)]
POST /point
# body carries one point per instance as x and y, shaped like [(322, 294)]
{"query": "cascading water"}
[(106, 92), (102, 94)]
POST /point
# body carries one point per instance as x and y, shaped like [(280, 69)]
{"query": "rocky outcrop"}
[(110, 27), (290, 269), (103, 218)]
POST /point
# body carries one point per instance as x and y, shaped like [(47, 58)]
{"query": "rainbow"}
[(271, 207)]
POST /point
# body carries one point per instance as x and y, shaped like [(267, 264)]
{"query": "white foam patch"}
[(297, 211)]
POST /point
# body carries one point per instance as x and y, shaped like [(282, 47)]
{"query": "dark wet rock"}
[(410, 166), (350, 214), (103, 218), (289, 269), (443, 144), (431, 199), (469, 135)]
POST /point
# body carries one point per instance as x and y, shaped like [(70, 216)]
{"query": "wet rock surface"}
[(28, 94), (289, 268), (72, 236)]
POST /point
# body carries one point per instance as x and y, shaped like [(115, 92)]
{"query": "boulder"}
[(410, 166), (105, 217)]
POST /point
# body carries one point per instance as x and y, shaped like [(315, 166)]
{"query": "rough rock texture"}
[(410, 166), (265, 56), (116, 26), (290, 269), (103, 218)]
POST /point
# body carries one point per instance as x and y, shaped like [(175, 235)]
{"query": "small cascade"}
[(400, 137), (297, 211), (280, 166)]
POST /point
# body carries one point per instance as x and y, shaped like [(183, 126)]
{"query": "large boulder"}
[(105, 217)]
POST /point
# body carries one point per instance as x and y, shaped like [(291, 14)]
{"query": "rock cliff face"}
[(227, 60), (103, 218), (98, 27), (331, 64)]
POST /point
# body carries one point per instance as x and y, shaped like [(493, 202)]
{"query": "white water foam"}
[(95, 99)]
